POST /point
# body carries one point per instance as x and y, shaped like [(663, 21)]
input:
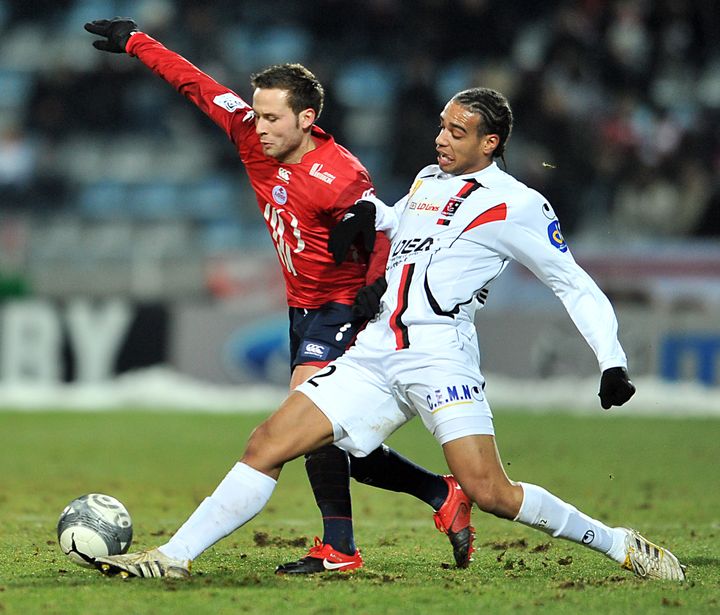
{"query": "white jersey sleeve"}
[(387, 218), (531, 235)]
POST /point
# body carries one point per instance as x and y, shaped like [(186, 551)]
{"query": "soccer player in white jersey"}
[(455, 231)]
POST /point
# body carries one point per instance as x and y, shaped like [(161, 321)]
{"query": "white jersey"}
[(452, 236)]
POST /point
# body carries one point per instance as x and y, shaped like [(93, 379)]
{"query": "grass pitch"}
[(658, 475)]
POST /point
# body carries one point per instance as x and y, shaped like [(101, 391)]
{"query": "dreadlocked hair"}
[(495, 111)]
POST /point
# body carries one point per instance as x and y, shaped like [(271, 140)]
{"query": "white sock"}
[(544, 511), (240, 496)]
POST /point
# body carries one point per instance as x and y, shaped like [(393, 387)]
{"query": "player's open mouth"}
[(443, 158)]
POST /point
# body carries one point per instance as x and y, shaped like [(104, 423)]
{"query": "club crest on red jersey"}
[(280, 195)]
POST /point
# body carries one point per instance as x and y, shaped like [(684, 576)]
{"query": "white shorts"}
[(365, 403)]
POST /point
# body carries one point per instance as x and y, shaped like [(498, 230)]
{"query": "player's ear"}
[(490, 144), (307, 118)]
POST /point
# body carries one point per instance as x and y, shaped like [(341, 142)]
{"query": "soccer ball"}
[(94, 525)]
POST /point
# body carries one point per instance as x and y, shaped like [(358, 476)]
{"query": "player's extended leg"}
[(475, 461), (297, 427), (328, 471)]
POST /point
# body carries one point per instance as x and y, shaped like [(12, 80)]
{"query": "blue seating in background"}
[(366, 83), (14, 87), (103, 200), (215, 198), (154, 201), (212, 198)]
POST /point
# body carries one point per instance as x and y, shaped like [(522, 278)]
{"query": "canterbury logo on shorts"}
[(315, 350)]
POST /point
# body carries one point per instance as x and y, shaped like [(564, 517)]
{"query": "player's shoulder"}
[(336, 177), (516, 193), (337, 160), (524, 204), (431, 170)]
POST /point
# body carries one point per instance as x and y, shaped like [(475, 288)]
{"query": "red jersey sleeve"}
[(219, 103)]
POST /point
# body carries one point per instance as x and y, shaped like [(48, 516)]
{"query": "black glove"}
[(117, 32), (615, 387), (358, 221), (367, 300)]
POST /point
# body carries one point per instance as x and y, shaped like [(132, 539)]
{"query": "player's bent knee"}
[(274, 443), (268, 447), (487, 501), (491, 497), (258, 452)]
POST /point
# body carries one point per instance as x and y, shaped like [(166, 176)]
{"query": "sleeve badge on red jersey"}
[(230, 102)]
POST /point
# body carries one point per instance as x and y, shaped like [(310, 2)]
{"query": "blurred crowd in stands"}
[(617, 105)]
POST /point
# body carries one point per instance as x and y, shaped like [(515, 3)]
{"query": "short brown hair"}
[(303, 88)]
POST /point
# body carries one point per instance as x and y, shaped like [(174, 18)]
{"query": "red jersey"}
[(300, 202)]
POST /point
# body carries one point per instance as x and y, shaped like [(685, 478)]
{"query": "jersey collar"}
[(487, 171)]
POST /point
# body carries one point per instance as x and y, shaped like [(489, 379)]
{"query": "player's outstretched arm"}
[(218, 102), (526, 237), (116, 32)]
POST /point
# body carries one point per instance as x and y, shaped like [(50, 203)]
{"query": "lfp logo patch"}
[(556, 237)]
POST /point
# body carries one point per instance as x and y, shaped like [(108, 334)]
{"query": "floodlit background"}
[(129, 236)]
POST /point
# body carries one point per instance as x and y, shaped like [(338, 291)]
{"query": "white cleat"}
[(151, 563), (649, 561)]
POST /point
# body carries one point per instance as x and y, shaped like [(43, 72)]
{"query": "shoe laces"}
[(317, 547)]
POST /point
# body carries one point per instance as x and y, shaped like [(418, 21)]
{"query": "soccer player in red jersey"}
[(304, 183)]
